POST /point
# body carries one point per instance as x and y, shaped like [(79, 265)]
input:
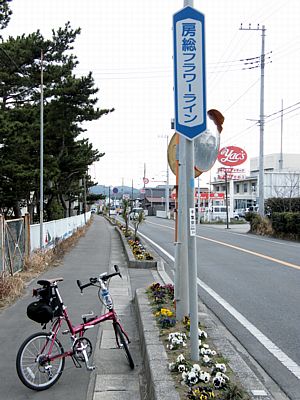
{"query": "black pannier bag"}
[(46, 308), (40, 312)]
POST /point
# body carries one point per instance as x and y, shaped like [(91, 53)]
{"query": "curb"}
[(160, 382)]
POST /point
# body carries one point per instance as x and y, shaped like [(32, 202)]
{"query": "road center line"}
[(254, 253), (264, 340)]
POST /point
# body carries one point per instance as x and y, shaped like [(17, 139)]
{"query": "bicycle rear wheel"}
[(122, 343), (33, 367)]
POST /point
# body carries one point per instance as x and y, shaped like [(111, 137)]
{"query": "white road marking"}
[(285, 360), (254, 253)]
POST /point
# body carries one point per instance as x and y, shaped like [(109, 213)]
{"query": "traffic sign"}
[(115, 190), (189, 72), (145, 180), (142, 191)]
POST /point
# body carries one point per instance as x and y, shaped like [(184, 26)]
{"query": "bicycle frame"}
[(77, 331), (41, 358)]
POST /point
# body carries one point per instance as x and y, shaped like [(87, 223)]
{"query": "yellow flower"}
[(166, 313)]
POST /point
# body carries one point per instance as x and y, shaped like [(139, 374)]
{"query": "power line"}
[(242, 95), (286, 108), (279, 116)]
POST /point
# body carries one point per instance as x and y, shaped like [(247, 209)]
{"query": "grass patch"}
[(12, 287)]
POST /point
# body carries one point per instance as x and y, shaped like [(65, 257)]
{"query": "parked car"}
[(135, 213), (219, 213), (242, 211), (113, 211)]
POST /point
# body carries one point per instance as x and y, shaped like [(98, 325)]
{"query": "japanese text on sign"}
[(189, 44), (190, 93)]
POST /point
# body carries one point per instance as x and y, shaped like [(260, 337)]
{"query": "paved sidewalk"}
[(114, 378)]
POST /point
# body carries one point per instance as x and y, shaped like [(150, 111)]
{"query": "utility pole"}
[(226, 199), (261, 198), (84, 197), (42, 155), (281, 132), (167, 185)]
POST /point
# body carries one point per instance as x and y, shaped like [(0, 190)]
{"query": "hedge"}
[(286, 222)]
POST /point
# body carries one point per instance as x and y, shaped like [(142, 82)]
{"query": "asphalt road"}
[(89, 258), (252, 284)]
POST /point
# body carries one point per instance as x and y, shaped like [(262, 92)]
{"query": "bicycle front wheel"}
[(33, 366), (122, 343)]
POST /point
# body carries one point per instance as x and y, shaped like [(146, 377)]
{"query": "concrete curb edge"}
[(160, 382)]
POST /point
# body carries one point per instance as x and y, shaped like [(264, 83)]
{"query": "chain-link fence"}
[(13, 239)]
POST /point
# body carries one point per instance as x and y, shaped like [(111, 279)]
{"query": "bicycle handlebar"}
[(104, 277)]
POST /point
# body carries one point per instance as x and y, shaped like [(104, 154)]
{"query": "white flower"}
[(218, 382), (185, 376), (204, 376), (181, 368), (221, 367), (180, 358), (172, 366), (183, 344), (206, 359), (192, 377), (206, 346), (171, 347), (204, 351), (200, 342), (220, 374), (202, 333), (196, 367), (213, 353)]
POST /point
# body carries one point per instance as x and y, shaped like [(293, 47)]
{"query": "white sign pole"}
[(190, 121)]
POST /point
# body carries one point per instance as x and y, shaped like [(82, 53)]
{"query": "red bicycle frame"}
[(80, 329)]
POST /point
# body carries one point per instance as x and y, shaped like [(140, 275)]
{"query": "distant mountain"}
[(102, 189)]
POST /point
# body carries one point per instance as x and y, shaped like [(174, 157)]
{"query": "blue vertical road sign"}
[(189, 72)]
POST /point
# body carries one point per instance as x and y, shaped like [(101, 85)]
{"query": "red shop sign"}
[(232, 156)]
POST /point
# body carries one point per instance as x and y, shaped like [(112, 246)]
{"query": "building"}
[(281, 179)]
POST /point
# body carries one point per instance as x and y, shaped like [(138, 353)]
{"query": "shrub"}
[(280, 204), (259, 225), (286, 222)]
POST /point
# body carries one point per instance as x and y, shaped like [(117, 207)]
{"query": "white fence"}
[(56, 230)]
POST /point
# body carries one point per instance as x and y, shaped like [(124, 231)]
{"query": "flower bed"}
[(138, 249), (210, 377)]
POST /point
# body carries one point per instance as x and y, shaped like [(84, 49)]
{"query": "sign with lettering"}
[(230, 173), (192, 222), (189, 72), (232, 156)]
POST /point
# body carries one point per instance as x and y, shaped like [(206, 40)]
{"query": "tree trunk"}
[(17, 210)]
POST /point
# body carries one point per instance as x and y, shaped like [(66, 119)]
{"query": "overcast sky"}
[(127, 44)]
